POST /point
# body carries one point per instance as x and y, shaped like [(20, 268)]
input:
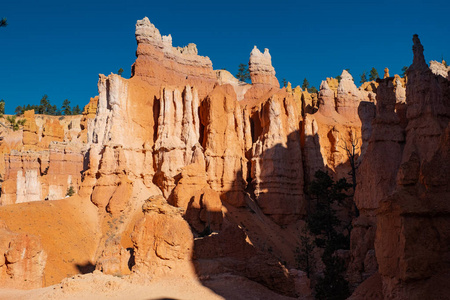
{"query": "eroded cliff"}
[(193, 173)]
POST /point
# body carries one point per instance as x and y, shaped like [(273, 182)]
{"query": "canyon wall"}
[(22, 260), (43, 159), (403, 186), (194, 173), (416, 215)]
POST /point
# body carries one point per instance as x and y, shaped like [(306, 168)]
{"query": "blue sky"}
[(58, 48)]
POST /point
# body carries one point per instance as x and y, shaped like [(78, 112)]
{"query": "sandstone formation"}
[(188, 172), (230, 250), (440, 68), (47, 174), (262, 74), (202, 205), (178, 135), (43, 160), (277, 160), (343, 121), (162, 241), (159, 63), (401, 198), (348, 97), (261, 70), (22, 260), (240, 88), (224, 125), (417, 266)]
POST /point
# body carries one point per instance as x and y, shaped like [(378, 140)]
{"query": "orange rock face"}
[(43, 160), (261, 70), (187, 165), (223, 121), (277, 160), (35, 176), (343, 119), (159, 63), (162, 241), (22, 260), (202, 205)]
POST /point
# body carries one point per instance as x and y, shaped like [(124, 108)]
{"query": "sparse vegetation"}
[(70, 192), (76, 110), (14, 123), (2, 108), (66, 107), (3, 22), (46, 108), (120, 71), (243, 73), (284, 82), (305, 84), (404, 69), (304, 255), (339, 77), (363, 77), (373, 74), (323, 223), (312, 90)]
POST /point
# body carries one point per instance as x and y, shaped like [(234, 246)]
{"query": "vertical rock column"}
[(375, 180), (277, 170), (412, 239), (177, 144), (224, 140)]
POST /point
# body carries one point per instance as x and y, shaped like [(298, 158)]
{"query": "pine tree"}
[(44, 105), (404, 69), (323, 221), (373, 74), (305, 84), (76, 110), (313, 90), (243, 73), (304, 255), (363, 77), (3, 22), (284, 82), (66, 107), (120, 71), (19, 110)]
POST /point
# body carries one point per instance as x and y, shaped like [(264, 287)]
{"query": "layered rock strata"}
[(161, 64), (48, 174)]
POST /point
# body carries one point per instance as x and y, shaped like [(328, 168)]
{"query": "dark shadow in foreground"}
[(86, 268)]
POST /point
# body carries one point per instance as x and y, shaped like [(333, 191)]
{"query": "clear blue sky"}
[(58, 48)]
